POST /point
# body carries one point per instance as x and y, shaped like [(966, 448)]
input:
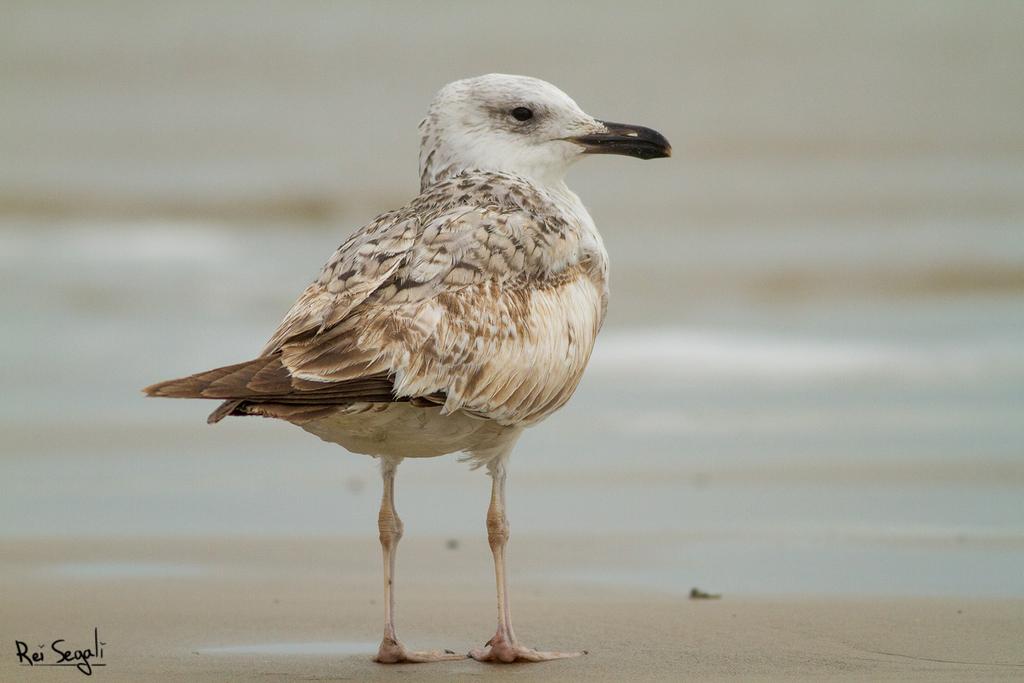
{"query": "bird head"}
[(520, 125)]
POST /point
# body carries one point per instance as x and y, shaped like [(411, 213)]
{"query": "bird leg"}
[(504, 647), (392, 651)]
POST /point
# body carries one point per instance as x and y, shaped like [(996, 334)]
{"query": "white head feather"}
[(471, 124)]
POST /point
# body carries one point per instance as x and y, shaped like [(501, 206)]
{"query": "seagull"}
[(455, 322)]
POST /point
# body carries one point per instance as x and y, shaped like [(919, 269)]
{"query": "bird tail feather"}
[(266, 380)]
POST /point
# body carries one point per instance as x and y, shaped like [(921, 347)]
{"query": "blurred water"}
[(812, 376), (811, 434)]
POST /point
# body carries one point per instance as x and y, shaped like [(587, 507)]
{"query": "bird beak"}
[(623, 138)]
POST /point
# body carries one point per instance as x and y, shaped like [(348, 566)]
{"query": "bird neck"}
[(440, 159), (553, 181)]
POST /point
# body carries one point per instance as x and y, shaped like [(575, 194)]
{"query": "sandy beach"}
[(279, 609)]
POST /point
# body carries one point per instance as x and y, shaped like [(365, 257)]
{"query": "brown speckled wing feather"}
[(491, 303), (479, 295)]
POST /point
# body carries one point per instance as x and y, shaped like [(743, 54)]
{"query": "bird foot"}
[(393, 652), (500, 649)]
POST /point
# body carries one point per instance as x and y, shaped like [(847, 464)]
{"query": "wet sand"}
[(270, 609)]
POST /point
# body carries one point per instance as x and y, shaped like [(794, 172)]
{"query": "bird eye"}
[(522, 114)]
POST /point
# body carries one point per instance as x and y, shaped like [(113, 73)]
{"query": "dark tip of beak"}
[(625, 139)]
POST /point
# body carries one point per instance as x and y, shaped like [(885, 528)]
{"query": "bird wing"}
[(488, 309), (359, 266)]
